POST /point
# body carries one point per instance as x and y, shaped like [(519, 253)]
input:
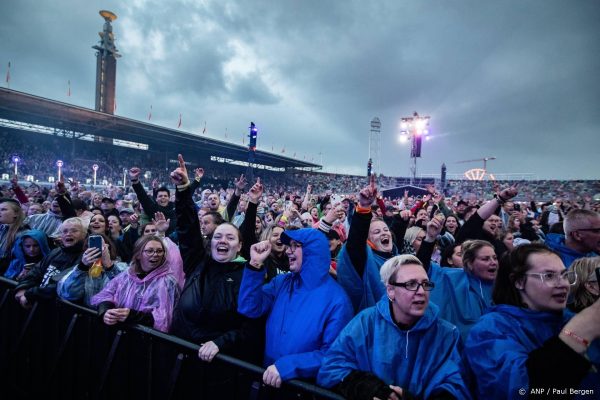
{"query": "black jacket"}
[(41, 281), (207, 308)]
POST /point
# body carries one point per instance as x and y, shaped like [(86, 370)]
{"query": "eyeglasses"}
[(413, 286), (594, 230), (551, 279), (150, 252), (294, 245)]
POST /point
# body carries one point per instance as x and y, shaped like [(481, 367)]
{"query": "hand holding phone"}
[(95, 241)]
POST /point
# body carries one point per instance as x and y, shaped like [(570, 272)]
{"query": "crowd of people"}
[(432, 296)]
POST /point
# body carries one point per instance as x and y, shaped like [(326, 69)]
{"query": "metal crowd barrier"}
[(58, 349)]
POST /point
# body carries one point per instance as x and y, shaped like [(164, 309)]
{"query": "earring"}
[(390, 299)]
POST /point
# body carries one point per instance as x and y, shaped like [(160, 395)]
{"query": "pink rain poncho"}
[(157, 293)]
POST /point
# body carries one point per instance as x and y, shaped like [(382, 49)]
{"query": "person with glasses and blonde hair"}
[(399, 348), (526, 342), (585, 291), (145, 293)]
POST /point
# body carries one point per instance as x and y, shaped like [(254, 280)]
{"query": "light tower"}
[(414, 129), (106, 66), (375, 146)]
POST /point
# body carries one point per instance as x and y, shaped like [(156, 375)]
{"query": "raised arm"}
[(248, 226), (359, 229), (188, 225), (239, 184), (148, 204)]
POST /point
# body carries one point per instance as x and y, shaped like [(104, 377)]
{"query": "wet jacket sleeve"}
[(66, 208), (188, 230), (148, 204), (398, 227), (357, 238), (256, 299), (231, 207), (247, 230), (498, 362), (472, 229)]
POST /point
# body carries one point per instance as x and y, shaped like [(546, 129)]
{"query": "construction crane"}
[(484, 159)]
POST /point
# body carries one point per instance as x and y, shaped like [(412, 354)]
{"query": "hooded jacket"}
[(306, 310), (461, 297), (156, 294), (499, 345), (363, 291), (556, 242), (19, 258), (423, 360)]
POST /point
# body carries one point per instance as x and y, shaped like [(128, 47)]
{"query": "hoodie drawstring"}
[(406, 349)]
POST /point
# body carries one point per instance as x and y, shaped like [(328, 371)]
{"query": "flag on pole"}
[(69, 90), (272, 149), (115, 108), (283, 149), (226, 136), (204, 130), (8, 75), (243, 138), (150, 113), (179, 123), (294, 155)]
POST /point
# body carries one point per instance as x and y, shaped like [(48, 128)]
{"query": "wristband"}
[(577, 338), (134, 181), (256, 266), (181, 188), (363, 210)]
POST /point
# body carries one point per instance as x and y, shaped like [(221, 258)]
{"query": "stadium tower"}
[(106, 66), (375, 146)]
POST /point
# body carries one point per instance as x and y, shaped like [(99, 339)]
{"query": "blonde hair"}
[(15, 227), (390, 267), (580, 296)]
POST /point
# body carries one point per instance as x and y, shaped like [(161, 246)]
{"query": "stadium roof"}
[(25, 108)]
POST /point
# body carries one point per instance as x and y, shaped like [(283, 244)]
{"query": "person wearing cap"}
[(306, 309), (125, 214), (108, 207)]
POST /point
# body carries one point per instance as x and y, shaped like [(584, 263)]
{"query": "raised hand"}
[(259, 253), (180, 176), (133, 220), (434, 227), (240, 184), (199, 173), (160, 221), (256, 192), (90, 256), (368, 194), (155, 183), (60, 186), (134, 174), (508, 193)]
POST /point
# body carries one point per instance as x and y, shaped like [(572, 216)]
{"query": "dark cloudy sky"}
[(514, 79)]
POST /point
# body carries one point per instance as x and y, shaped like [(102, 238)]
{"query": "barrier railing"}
[(58, 349)]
